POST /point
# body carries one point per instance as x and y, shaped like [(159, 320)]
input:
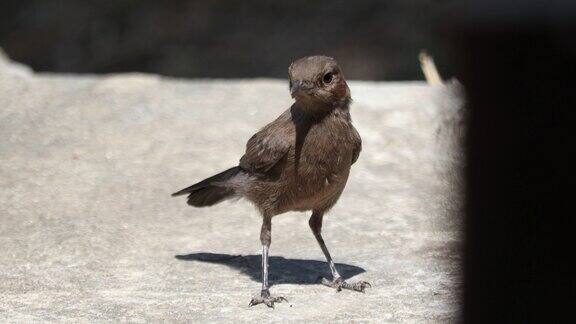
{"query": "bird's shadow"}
[(281, 270)]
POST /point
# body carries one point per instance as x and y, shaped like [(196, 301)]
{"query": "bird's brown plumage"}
[(298, 162), (301, 160)]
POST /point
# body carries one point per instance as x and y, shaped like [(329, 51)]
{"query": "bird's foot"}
[(267, 299), (340, 284)]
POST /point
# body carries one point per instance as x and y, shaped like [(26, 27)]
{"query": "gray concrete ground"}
[(89, 232)]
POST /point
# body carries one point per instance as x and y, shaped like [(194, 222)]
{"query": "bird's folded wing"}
[(266, 148)]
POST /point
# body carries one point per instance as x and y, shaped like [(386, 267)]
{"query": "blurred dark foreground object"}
[(520, 228)]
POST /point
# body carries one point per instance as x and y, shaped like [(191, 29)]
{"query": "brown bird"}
[(299, 162)]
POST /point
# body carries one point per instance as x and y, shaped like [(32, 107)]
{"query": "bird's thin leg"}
[(315, 223), (337, 282), (265, 239)]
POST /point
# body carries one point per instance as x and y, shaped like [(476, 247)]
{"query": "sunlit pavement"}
[(89, 232)]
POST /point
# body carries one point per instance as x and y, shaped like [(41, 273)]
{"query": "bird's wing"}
[(357, 140), (268, 146)]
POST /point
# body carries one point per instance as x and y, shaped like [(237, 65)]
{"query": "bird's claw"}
[(340, 284), (266, 299)]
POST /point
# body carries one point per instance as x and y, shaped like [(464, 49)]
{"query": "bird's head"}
[(317, 81)]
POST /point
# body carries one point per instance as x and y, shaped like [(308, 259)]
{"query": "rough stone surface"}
[(89, 232)]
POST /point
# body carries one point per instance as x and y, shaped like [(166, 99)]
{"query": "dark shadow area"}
[(282, 270), (373, 40)]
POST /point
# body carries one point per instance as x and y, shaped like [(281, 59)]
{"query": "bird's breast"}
[(322, 165)]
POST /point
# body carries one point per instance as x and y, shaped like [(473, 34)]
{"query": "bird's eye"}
[(327, 78)]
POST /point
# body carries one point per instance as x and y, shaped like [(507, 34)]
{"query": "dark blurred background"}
[(373, 40)]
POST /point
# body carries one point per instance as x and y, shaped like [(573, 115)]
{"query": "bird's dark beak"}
[(300, 87)]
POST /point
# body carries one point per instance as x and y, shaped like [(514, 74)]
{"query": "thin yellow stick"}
[(429, 69)]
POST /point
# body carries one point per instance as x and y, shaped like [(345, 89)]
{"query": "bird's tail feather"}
[(210, 191)]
